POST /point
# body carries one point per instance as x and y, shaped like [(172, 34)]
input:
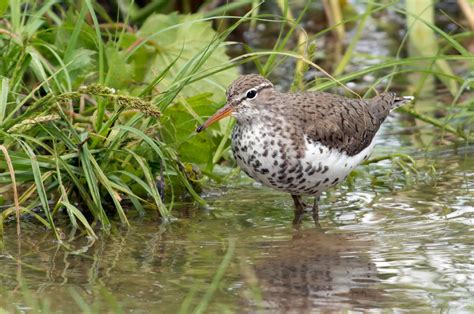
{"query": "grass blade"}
[(92, 183), (77, 213), (201, 308), (4, 98), (40, 187), (107, 185), (11, 170)]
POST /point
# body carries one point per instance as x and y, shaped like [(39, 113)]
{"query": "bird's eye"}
[(251, 94)]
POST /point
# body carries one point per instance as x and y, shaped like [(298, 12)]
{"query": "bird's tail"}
[(400, 101), (381, 105)]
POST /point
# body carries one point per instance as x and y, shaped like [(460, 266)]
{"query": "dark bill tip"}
[(220, 114), (200, 128)]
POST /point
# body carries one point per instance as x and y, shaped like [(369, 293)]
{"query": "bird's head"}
[(243, 96)]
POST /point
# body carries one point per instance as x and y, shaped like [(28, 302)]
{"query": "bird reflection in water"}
[(315, 270)]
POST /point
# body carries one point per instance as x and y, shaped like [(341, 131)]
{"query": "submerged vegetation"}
[(98, 103)]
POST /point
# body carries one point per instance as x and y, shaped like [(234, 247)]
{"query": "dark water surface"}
[(387, 240)]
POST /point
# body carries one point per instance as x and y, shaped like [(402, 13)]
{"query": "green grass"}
[(81, 117), (97, 111)]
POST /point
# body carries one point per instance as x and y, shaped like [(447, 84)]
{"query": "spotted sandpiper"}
[(300, 143)]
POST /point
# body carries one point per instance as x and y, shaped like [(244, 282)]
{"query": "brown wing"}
[(339, 122)]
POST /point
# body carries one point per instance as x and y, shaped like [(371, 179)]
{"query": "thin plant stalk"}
[(11, 170)]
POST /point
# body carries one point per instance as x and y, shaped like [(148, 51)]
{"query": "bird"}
[(302, 143)]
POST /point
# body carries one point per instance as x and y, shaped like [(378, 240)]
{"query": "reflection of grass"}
[(101, 299), (32, 301), (104, 300), (211, 290)]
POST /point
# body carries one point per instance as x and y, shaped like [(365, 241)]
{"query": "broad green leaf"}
[(176, 35), (120, 74), (179, 122)]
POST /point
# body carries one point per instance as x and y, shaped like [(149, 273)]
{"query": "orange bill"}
[(220, 114)]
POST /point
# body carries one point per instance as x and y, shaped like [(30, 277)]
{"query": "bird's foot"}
[(316, 211), (300, 207), (298, 218)]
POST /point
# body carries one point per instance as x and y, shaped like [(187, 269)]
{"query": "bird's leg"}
[(299, 209), (316, 209)]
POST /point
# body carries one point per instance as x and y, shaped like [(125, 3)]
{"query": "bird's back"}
[(338, 122)]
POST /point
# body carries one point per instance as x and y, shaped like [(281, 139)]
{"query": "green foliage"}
[(3, 6), (179, 122), (98, 115), (422, 42), (182, 38), (78, 138)]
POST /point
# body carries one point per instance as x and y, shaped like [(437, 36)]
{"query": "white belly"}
[(265, 161), (335, 165)]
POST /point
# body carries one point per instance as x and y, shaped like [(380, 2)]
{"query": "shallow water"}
[(384, 241), (387, 240)]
